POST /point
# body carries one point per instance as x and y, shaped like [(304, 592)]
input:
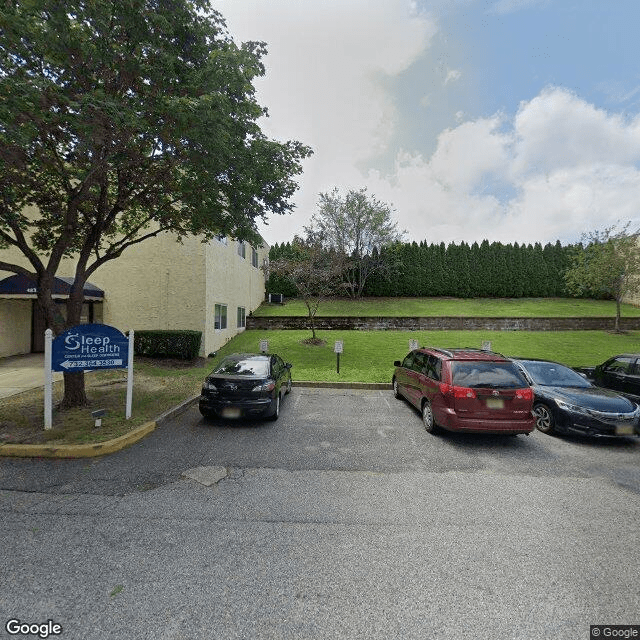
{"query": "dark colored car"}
[(246, 385), (568, 403), (465, 390), (620, 373)]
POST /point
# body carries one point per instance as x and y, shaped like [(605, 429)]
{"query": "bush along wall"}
[(181, 344), (486, 270)]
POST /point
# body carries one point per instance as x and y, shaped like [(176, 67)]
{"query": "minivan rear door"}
[(489, 390)]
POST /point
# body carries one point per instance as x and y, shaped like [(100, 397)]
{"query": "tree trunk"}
[(52, 317), (312, 324), (74, 389), (617, 327), (312, 308)]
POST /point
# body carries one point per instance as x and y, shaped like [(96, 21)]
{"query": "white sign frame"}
[(48, 379)]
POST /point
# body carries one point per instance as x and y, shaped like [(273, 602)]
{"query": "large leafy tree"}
[(606, 263), (353, 226), (122, 120)]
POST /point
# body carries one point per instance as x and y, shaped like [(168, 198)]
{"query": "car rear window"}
[(248, 367), (620, 365), (487, 374)]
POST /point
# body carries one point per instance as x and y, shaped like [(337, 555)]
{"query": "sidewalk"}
[(21, 373)]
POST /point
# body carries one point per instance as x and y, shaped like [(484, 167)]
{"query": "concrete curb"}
[(344, 385), (111, 446)]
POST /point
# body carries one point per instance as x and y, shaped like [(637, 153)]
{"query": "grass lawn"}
[(368, 355), (156, 389), (476, 307)]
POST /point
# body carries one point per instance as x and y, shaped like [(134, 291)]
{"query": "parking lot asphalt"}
[(343, 519)]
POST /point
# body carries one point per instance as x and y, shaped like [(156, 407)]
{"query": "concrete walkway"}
[(21, 373)]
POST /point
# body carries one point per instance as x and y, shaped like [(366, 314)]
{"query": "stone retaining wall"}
[(441, 323)]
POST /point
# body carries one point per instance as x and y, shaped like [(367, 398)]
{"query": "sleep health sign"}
[(90, 346), (86, 347)]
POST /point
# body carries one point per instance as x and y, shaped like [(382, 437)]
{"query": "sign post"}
[(338, 348), (48, 380), (130, 377)]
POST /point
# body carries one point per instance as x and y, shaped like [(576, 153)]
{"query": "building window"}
[(254, 257), (242, 318), (242, 249), (222, 239), (220, 321)]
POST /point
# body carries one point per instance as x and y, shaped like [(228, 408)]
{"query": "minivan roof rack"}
[(484, 351), (451, 352), (445, 351)]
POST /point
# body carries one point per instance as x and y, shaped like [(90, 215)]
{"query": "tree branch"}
[(15, 268), (111, 255), (21, 243)]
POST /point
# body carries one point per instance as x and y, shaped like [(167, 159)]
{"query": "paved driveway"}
[(21, 373), (343, 519)]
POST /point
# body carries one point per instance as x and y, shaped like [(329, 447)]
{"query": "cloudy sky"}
[(507, 120)]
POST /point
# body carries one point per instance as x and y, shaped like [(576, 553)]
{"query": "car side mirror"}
[(397, 363), (288, 365)]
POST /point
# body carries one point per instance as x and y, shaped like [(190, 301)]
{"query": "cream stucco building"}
[(158, 284)]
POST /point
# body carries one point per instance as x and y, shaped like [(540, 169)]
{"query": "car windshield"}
[(243, 367), (550, 374), (487, 374)]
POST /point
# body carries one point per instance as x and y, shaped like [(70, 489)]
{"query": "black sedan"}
[(246, 385), (564, 401), (620, 373)]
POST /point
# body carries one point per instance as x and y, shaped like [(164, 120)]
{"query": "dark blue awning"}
[(21, 286)]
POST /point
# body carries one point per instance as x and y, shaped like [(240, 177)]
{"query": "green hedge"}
[(479, 270), (183, 344)]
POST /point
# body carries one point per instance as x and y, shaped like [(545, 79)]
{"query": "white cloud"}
[(557, 129), (570, 201), (452, 76), (559, 169), (428, 208), (325, 67), (468, 152)]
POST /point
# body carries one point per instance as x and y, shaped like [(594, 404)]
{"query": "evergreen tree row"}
[(460, 270)]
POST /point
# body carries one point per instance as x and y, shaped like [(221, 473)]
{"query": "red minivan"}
[(468, 390)]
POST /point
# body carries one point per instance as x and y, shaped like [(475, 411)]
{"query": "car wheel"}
[(396, 391), (544, 418), (207, 415), (427, 417), (276, 412)]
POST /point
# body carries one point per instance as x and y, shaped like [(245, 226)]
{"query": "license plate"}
[(625, 430), (231, 412), (495, 403)]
